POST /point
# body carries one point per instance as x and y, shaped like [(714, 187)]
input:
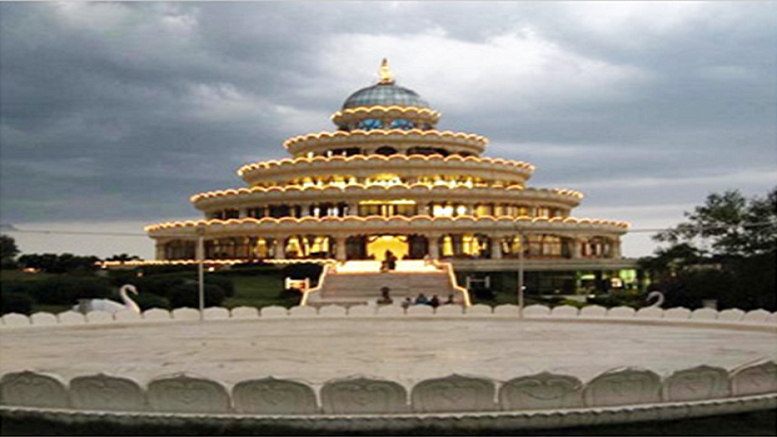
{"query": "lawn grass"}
[(258, 291)]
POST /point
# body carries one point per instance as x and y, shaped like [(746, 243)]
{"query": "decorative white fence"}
[(755, 317)]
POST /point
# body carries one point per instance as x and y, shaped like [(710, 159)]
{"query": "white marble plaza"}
[(405, 350)]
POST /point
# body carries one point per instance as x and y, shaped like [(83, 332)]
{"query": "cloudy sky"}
[(113, 114)]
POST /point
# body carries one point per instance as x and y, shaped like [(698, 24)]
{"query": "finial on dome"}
[(385, 73)]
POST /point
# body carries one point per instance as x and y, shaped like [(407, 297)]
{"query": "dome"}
[(384, 94)]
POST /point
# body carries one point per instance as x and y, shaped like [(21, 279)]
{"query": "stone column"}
[(305, 210), (340, 250), (496, 247), (280, 249), (242, 213), (434, 246), (353, 208), (457, 244), (574, 247), (160, 249), (615, 248)]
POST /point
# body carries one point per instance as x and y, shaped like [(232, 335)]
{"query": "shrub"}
[(290, 296), (224, 282), (159, 285), (15, 303), (150, 300), (187, 295), (66, 290), (483, 294)]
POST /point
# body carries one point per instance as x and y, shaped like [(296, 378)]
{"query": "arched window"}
[(386, 150), (370, 123), (401, 123)]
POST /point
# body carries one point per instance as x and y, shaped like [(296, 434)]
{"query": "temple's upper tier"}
[(385, 106)]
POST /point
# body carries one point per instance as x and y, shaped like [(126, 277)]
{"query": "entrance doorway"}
[(379, 244)]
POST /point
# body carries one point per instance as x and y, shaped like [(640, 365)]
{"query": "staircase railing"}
[(330, 267), (448, 269)]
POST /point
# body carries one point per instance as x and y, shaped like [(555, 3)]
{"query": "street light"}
[(520, 278), (200, 269)]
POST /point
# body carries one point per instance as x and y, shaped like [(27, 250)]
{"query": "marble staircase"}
[(360, 282)]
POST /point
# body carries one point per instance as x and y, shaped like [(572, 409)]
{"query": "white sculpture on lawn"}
[(86, 305), (659, 299)]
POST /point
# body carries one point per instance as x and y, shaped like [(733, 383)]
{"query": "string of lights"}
[(138, 234)]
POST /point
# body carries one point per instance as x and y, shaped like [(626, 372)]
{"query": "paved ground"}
[(399, 349)]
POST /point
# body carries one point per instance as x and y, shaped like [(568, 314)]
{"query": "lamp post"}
[(520, 278), (200, 270)]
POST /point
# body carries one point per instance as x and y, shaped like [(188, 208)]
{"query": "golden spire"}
[(385, 73)]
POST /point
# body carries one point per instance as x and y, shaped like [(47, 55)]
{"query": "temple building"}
[(386, 179)]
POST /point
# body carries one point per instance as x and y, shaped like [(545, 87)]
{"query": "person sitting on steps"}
[(385, 298)]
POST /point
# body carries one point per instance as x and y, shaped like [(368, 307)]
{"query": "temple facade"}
[(386, 179)]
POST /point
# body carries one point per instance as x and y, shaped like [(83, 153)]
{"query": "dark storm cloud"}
[(122, 110)]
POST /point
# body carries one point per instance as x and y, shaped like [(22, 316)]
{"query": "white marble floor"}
[(404, 350)]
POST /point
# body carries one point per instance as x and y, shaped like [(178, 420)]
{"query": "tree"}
[(123, 257), (8, 251), (63, 263), (729, 225), (726, 250)]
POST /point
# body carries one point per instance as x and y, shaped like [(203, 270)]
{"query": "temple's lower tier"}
[(457, 246)]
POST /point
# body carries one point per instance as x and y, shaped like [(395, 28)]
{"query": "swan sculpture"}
[(86, 305), (659, 299)]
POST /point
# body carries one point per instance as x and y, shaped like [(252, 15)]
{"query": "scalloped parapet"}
[(103, 392), (244, 312), (703, 382), (274, 396), (623, 387), (350, 115), (43, 319), (753, 379), (542, 391), (453, 393), (11, 320), (536, 311), (274, 311), (258, 195), (565, 311), (71, 318), (185, 314), (401, 140), (216, 313), (363, 396), (385, 224), (32, 389), (284, 170), (185, 394), (157, 314)]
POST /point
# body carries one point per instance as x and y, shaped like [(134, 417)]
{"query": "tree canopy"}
[(8, 250), (728, 224), (726, 250)]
